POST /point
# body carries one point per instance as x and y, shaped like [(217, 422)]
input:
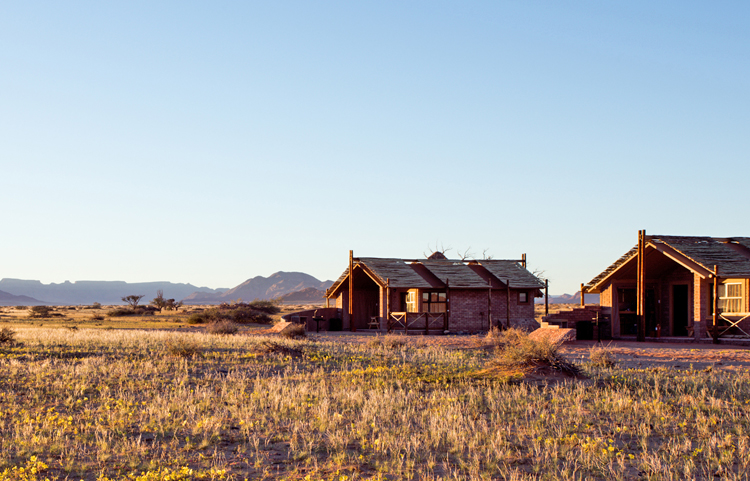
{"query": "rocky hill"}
[(308, 295), (8, 299), (259, 287)]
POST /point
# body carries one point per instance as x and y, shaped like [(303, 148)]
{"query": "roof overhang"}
[(663, 248), (681, 259), (336, 289)]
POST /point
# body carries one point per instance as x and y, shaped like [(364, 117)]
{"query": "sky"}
[(211, 142)]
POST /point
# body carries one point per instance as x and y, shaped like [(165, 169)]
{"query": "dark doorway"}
[(680, 310)]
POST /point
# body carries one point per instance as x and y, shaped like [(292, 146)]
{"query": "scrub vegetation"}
[(134, 404)]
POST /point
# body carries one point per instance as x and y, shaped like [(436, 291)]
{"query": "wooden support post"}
[(351, 291), (388, 303), (715, 317), (489, 305), (507, 304), (446, 318), (641, 287), (583, 302), (546, 297)]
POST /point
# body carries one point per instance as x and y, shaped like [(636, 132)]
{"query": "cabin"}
[(433, 295), (676, 286)]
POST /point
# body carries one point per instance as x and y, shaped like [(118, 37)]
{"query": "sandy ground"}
[(628, 354)]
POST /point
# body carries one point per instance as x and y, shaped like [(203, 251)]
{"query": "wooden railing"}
[(415, 321)]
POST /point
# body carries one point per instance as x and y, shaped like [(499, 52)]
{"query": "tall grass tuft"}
[(182, 347), (295, 331), (224, 327), (516, 353), (602, 356), (7, 336)]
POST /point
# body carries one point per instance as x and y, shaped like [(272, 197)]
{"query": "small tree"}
[(39, 312), (132, 300), (159, 302), (172, 305)]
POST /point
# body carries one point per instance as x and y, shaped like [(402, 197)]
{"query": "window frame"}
[(525, 293), (411, 301), (427, 304), (736, 302)]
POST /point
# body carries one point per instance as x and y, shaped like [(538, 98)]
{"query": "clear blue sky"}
[(210, 142)]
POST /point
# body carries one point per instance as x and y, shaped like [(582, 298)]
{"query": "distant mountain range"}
[(259, 287), (16, 292), (8, 299), (88, 292), (290, 287), (569, 299)]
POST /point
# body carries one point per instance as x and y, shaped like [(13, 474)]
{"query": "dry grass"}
[(223, 327), (602, 356), (90, 405), (182, 346), (388, 341), (294, 331), (7, 336), (517, 354)]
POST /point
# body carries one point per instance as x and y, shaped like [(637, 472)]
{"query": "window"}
[(411, 301), (434, 302), (523, 297), (730, 297)]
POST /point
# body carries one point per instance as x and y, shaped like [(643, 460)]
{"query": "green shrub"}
[(121, 312), (239, 313), (40, 312), (268, 307)]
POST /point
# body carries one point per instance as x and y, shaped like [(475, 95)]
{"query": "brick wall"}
[(470, 310)]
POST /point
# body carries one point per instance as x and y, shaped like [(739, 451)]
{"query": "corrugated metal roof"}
[(512, 272), (730, 255)]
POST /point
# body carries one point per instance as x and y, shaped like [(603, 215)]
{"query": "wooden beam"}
[(523, 260), (446, 318), (507, 304), (715, 317), (489, 305), (641, 288), (546, 297), (583, 303), (351, 290)]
